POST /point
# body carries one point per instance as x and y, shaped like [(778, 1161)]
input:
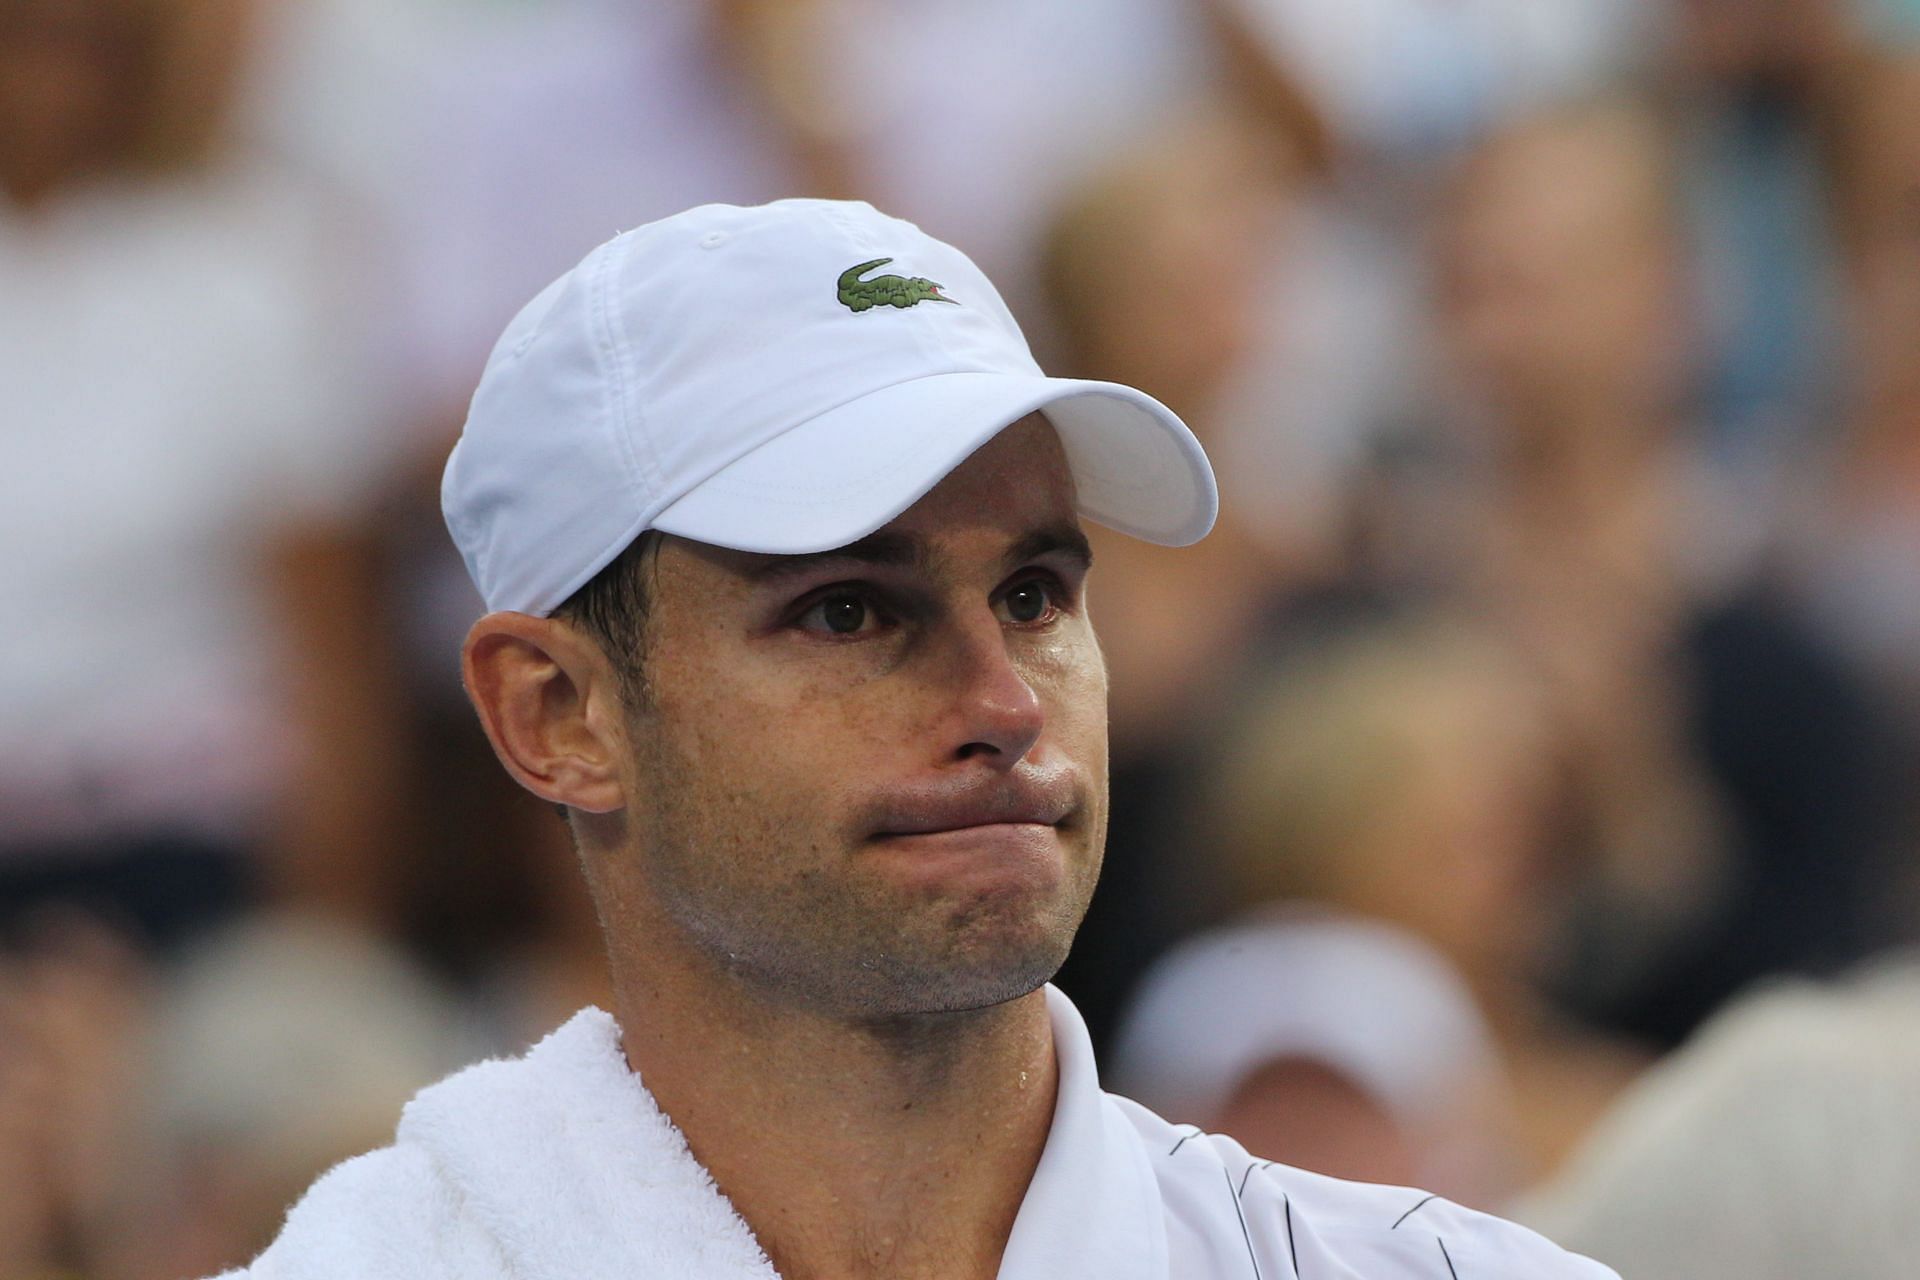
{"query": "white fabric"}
[(558, 1165), (176, 382), (707, 375)]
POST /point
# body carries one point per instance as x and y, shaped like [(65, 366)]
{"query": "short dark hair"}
[(612, 609)]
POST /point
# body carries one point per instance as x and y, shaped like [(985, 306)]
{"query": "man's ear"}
[(550, 704)]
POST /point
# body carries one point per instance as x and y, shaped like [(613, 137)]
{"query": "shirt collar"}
[(1093, 1207)]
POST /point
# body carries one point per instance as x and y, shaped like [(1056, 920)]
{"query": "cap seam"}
[(613, 353)]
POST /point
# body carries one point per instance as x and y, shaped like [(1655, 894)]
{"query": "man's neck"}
[(900, 1148)]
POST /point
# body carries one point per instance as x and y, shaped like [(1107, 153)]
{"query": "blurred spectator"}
[(200, 709), (1784, 1141), (1700, 715), (1394, 89), (1155, 270), (1337, 1044), (281, 1048), (1404, 777), (190, 434), (155, 1131)]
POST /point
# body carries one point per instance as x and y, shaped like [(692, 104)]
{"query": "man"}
[(779, 524)]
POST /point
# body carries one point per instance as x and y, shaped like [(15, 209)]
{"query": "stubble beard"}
[(833, 937)]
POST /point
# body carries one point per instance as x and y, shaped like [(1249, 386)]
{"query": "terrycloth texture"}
[(557, 1166)]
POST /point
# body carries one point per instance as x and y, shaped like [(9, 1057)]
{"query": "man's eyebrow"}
[(1055, 538), (891, 550)]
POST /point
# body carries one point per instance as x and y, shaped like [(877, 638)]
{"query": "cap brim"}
[(839, 476)]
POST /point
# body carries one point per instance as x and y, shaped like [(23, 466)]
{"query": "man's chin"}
[(978, 969), (953, 996), (949, 948)]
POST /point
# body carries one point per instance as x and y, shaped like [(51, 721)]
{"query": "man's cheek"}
[(1079, 698), (1069, 674)]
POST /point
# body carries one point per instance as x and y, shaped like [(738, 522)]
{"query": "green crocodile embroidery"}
[(899, 291)]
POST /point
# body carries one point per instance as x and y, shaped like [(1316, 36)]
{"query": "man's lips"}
[(1042, 801)]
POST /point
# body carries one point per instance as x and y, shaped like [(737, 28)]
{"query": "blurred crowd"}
[(1515, 794)]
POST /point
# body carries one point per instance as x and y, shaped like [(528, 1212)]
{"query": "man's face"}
[(873, 782)]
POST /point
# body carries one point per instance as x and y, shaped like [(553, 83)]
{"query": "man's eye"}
[(1028, 602), (841, 615)]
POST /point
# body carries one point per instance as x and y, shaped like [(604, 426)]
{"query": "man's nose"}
[(998, 715)]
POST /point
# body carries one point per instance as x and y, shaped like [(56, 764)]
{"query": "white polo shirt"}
[(558, 1164), (1125, 1195)]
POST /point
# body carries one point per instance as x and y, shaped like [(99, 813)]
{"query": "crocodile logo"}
[(897, 291)]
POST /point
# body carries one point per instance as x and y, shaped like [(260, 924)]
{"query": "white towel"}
[(553, 1166)]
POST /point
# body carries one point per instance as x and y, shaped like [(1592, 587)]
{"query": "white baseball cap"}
[(784, 378)]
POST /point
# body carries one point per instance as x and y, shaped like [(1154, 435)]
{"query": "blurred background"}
[(1515, 795)]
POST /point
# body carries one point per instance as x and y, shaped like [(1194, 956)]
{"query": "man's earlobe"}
[(544, 695)]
